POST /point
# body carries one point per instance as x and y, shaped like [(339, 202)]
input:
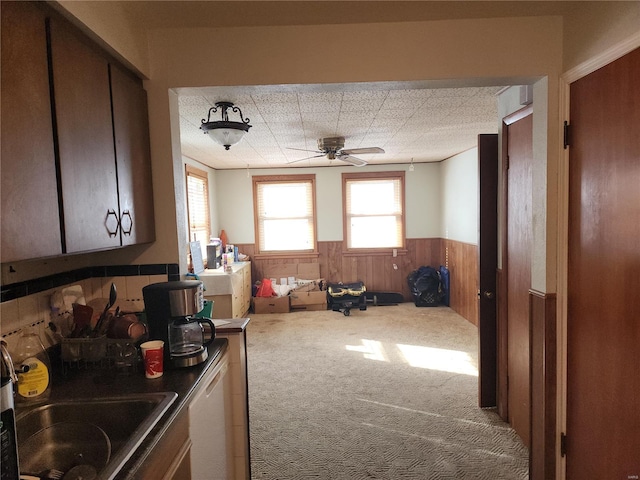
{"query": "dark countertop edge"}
[(237, 325)]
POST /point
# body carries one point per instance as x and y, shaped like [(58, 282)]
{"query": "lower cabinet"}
[(239, 399), (170, 458), (210, 426), (198, 445), (231, 293)]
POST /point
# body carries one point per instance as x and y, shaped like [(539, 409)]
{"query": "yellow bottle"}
[(34, 383)]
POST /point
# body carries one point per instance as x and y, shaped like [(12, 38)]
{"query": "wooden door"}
[(30, 216), (518, 268), (131, 130), (603, 329), (85, 139), (488, 264)]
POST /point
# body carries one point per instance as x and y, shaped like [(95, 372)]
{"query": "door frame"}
[(570, 76)]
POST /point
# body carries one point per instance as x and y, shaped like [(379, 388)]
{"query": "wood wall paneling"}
[(543, 361), (462, 261), (379, 274), (502, 325)]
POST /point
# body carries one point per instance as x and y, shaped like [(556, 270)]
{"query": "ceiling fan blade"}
[(305, 158), (362, 151), (304, 150), (355, 161)]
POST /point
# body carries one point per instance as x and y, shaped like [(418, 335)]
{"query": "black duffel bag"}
[(426, 287)]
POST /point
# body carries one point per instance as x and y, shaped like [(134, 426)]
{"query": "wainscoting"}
[(462, 261), (389, 274), (542, 337)]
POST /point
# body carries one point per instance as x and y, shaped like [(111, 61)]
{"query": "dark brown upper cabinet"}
[(131, 133), (82, 105), (76, 166), (30, 217)]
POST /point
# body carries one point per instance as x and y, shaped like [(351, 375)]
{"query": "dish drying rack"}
[(101, 353)]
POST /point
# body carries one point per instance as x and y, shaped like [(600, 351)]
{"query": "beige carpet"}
[(386, 393)]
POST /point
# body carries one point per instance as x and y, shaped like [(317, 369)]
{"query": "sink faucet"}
[(8, 369), (10, 467)]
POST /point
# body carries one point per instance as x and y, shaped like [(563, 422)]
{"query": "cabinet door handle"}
[(126, 231), (112, 232)]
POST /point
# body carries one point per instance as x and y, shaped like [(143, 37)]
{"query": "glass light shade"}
[(225, 132), (226, 136)]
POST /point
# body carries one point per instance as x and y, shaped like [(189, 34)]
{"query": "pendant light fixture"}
[(225, 132)]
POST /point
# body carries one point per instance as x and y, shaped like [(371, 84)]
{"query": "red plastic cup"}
[(152, 355)]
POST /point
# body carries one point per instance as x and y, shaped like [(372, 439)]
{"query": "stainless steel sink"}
[(125, 420)]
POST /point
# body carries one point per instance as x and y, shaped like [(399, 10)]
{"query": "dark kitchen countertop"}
[(76, 384)]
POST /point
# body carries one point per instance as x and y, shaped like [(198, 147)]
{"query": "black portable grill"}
[(342, 297)]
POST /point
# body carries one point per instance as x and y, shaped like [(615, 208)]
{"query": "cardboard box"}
[(270, 304), (309, 308), (308, 300), (303, 271), (312, 286)]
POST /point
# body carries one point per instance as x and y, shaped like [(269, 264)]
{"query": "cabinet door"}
[(82, 102), (169, 459), (30, 215), (131, 130), (247, 288)]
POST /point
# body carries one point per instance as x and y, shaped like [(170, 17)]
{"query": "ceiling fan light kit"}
[(332, 148), (224, 131)]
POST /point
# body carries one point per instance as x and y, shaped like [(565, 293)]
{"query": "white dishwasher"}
[(210, 426)]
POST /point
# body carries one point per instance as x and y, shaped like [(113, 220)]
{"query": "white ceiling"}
[(410, 123)]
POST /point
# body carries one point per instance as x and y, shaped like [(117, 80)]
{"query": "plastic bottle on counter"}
[(223, 240), (34, 383)]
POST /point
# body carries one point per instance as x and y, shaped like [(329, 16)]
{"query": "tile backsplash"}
[(29, 303)]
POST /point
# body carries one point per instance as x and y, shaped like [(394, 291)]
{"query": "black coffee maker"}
[(171, 308)]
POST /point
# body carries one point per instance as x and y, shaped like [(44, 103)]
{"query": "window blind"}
[(374, 213), (198, 206), (285, 216)]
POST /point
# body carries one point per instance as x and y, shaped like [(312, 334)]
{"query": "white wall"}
[(437, 50), (543, 183), (234, 198), (460, 197), (288, 55)]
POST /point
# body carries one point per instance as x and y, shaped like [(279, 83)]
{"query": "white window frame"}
[(398, 178), (259, 217)]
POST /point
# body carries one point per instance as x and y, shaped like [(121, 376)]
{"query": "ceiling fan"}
[(332, 147)]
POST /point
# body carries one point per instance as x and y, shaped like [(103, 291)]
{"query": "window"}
[(198, 207), (373, 210), (284, 209)]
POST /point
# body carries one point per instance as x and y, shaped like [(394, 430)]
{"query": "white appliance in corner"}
[(210, 426)]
